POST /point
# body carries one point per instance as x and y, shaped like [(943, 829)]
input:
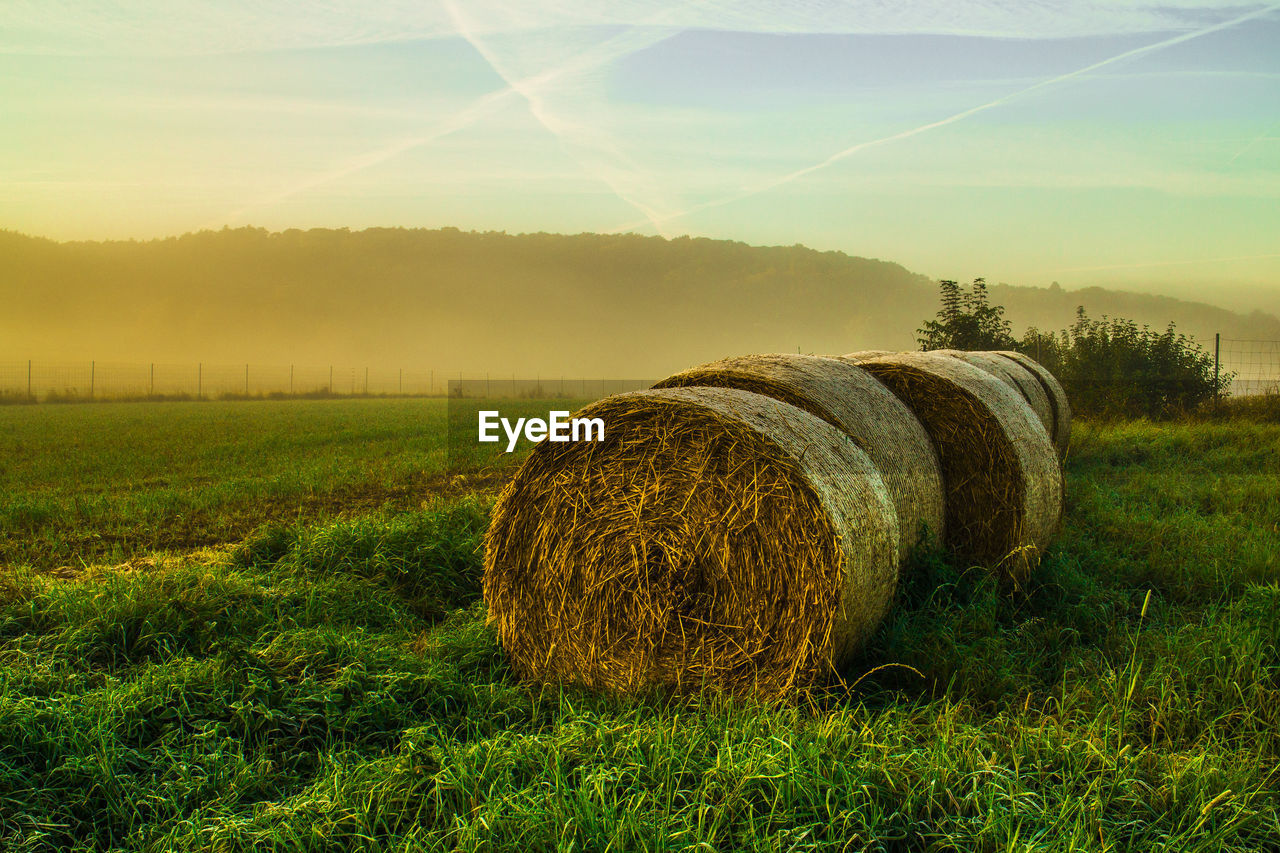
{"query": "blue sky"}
[(1114, 143)]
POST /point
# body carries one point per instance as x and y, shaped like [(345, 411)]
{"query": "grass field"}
[(292, 656)]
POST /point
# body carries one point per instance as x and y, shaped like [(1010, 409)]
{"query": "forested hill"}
[(586, 304)]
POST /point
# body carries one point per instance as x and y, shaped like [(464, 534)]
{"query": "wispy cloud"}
[(845, 153), (1179, 263), (1261, 137), (529, 88), (183, 27), (595, 151)]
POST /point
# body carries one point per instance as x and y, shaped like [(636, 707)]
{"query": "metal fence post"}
[(1217, 344), (93, 369), (291, 380), (28, 378), (366, 381), (246, 380), (199, 380), (151, 387), (331, 379)]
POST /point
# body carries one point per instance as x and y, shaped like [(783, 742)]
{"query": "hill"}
[(586, 304)]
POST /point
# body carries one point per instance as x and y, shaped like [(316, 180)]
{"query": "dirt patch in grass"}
[(65, 547)]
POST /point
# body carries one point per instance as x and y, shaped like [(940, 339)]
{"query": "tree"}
[(966, 321)]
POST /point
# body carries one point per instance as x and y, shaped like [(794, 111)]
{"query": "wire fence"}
[(58, 382), (1255, 365), (41, 381)]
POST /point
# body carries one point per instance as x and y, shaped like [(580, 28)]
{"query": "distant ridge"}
[(585, 304)]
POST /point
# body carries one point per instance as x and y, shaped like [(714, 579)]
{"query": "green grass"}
[(329, 684), (108, 482)]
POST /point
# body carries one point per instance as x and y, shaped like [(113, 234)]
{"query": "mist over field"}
[(616, 305)]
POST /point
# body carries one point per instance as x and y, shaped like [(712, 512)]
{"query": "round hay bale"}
[(1002, 478), (1013, 375), (1057, 398), (849, 398), (714, 537), (867, 353)]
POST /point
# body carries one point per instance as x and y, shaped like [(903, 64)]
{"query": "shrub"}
[(1113, 368), (1110, 368)]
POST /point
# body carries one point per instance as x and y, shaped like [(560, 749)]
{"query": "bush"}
[(1110, 368), (1113, 368)]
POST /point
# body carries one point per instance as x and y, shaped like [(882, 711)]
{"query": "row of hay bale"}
[(743, 524)]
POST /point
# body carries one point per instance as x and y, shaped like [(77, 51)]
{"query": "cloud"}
[(530, 88), (183, 27), (592, 147), (849, 151)]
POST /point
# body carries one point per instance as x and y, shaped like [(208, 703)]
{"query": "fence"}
[(96, 380), (36, 381), (1256, 365)]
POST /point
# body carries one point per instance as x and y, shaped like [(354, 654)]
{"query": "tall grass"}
[(332, 686)]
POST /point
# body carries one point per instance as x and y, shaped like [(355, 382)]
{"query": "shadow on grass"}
[(960, 632)]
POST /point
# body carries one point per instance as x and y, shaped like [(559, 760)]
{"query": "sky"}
[(1119, 143)]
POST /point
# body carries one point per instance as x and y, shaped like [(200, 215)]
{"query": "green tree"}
[(966, 321)]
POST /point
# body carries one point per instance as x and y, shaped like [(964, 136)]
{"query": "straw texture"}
[(1057, 398), (714, 537), (1015, 376), (858, 404), (1002, 477)]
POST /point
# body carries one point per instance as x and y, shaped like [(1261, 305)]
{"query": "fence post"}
[(199, 380), (291, 380), (331, 379), (28, 378), (151, 388), (246, 380), (93, 369), (366, 381), (401, 390), (1217, 344)]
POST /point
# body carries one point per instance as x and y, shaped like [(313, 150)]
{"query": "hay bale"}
[(1057, 398), (867, 353), (1002, 477), (1013, 375), (713, 537), (849, 398)]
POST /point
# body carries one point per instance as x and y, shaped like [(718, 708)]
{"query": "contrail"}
[(774, 183), (559, 128), (477, 110), (483, 107), (1266, 134), (1168, 263)]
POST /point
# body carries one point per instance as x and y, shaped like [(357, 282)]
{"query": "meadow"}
[(257, 625)]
